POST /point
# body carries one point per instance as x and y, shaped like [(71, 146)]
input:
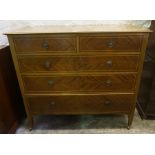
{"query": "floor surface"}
[(87, 124)]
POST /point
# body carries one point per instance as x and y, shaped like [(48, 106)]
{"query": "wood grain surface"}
[(55, 70)]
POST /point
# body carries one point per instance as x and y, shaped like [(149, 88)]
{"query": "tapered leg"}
[(129, 122), (30, 122), (130, 119)]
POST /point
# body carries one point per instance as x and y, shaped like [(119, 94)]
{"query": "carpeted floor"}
[(87, 124)]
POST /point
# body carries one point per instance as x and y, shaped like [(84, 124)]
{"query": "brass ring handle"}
[(45, 45), (83, 65), (50, 82), (108, 83), (107, 102), (52, 103), (110, 44), (47, 64), (109, 63)]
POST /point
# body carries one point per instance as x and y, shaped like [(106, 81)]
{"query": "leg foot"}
[(128, 127), (130, 119), (30, 123)]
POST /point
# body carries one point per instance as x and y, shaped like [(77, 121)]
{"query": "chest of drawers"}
[(79, 71)]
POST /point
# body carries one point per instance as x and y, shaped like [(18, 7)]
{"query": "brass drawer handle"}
[(109, 63), (107, 103), (52, 103), (47, 64), (108, 83), (45, 45), (83, 65), (50, 82), (110, 44)]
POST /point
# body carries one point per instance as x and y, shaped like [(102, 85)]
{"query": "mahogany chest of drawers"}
[(65, 70)]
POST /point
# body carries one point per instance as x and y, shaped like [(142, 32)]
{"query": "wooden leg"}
[(30, 123), (130, 119), (129, 125), (129, 122)]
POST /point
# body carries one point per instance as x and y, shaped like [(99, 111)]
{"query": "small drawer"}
[(80, 104), (32, 64), (45, 44), (122, 43), (80, 83)]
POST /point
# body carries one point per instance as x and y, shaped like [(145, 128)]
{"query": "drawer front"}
[(45, 44), (71, 83), (111, 43), (47, 64), (80, 104)]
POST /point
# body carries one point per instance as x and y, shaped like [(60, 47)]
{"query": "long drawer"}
[(71, 83), (47, 64), (90, 43), (80, 104), (47, 43)]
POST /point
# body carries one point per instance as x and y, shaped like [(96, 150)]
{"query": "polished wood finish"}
[(76, 83), (11, 104), (99, 73), (80, 104), (91, 63), (111, 43), (45, 44)]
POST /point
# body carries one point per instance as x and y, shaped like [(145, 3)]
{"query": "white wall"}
[(7, 25)]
